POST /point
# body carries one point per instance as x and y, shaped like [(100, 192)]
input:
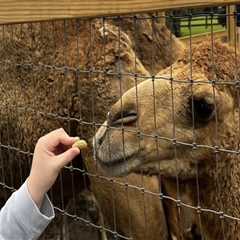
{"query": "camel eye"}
[(201, 110)]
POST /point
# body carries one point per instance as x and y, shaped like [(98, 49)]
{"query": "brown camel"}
[(179, 130)]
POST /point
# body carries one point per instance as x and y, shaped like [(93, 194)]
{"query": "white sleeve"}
[(21, 219)]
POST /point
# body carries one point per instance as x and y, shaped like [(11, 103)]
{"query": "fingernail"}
[(75, 138)]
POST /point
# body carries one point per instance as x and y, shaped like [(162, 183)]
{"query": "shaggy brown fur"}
[(33, 94)]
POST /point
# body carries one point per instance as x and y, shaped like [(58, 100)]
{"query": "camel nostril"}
[(100, 135), (123, 117), (100, 141)]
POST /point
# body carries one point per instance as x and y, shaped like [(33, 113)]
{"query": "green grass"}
[(200, 29)]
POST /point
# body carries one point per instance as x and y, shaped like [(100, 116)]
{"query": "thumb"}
[(66, 157)]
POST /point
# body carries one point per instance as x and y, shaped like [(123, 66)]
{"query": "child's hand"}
[(52, 152)]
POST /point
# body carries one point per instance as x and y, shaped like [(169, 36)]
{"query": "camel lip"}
[(119, 167), (116, 162)]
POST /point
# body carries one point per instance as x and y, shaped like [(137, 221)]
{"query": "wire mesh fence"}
[(161, 119)]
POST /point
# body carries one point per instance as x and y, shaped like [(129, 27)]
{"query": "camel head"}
[(159, 121)]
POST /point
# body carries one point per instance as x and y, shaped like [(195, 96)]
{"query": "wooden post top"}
[(16, 11)]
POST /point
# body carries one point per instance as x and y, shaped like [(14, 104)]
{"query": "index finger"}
[(56, 137)]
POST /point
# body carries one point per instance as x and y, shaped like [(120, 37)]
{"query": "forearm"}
[(34, 189), (21, 219)]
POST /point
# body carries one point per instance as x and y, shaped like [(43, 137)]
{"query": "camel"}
[(44, 83), (167, 130)]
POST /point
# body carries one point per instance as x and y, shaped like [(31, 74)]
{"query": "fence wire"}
[(71, 73)]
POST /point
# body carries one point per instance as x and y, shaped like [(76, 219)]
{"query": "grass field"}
[(200, 29)]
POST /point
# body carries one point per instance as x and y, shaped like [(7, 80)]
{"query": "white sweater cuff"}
[(35, 220)]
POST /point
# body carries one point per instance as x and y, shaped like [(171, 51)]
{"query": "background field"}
[(200, 25)]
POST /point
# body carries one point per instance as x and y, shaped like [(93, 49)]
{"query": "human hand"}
[(52, 152)]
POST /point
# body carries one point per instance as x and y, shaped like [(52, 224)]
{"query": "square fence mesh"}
[(160, 114)]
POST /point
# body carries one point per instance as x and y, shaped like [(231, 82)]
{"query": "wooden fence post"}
[(231, 24)]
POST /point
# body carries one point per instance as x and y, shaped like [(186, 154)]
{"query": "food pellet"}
[(81, 144)]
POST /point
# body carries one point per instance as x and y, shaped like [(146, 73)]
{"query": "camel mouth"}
[(116, 161), (120, 166)]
